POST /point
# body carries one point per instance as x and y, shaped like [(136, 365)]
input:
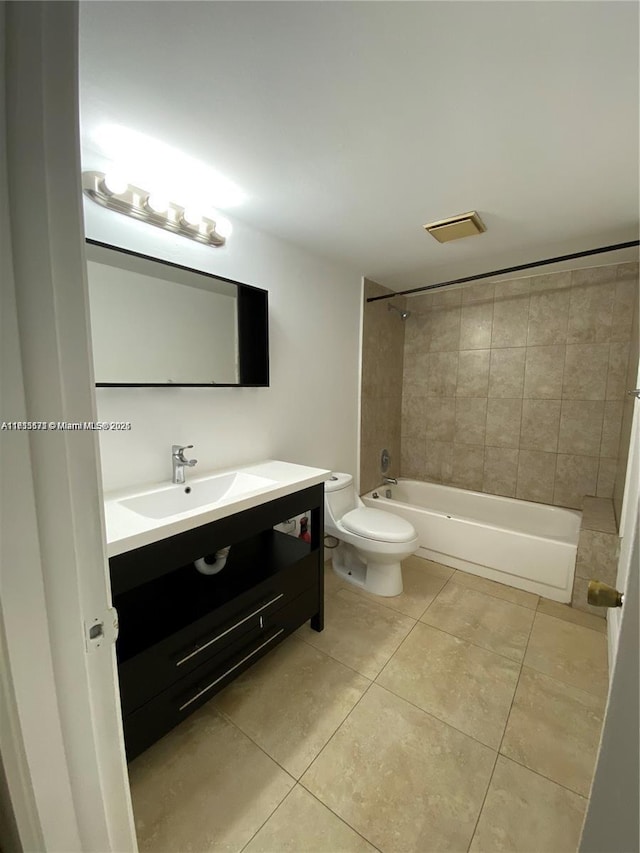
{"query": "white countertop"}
[(127, 529)]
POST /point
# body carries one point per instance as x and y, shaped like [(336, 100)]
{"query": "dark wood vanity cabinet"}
[(184, 635)]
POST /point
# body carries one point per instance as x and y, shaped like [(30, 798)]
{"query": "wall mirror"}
[(157, 323)]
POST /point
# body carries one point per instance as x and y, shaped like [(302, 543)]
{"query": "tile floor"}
[(460, 715)]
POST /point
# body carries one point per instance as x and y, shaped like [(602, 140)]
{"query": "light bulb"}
[(114, 183), (192, 217), (157, 203), (223, 227)]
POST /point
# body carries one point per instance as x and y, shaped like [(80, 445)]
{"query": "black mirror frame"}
[(253, 332)]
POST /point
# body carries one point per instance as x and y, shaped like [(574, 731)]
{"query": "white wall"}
[(307, 415)]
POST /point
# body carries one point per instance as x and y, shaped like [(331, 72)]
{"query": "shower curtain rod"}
[(507, 270)]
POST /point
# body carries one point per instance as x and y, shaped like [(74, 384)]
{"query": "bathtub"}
[(527, 545)]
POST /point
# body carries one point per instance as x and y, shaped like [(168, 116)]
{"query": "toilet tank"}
[(340, 496)]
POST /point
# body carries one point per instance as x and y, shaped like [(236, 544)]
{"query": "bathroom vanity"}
[(184, 635)]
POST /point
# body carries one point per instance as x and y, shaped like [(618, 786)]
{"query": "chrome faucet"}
[(389, 480), (179, 462)]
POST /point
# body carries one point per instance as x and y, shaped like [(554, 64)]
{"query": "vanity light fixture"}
[(113, 192)]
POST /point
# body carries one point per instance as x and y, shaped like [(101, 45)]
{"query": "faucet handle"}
[(177, 450)]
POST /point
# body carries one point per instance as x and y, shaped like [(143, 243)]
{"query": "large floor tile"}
[(204, 786), (571, 614), (462, 684), (332, 581), (482, 619), (401, 778), (499, 590), (422, 581), (291, 702), (525, 813), (554, 729), (569, 652), (301, 824), (358, 632)]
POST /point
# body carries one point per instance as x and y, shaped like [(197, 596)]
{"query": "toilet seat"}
[(378, 525)]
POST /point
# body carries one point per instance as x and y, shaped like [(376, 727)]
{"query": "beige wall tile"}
[(445, 328), (554, 729), (447, 296), (612, 422), (415, 372), (513, 287), (540, 425), (475, 325), (585, 372), (536, 473), (548, 315), (576, 476), (506, 373), (412, 459), (617, 373), (414, 415), (443, 370), (606, 478), (626, 294), (473, 373), (438, 464), (523, 811), (468, 466), (500, 471), (482, 291), (591, 309), (440, 418), (598, 556), (470, 420), (503, 422), (510, 317), (598, 514), (383, 347), (550, 281), (581, 427), (543, 372)]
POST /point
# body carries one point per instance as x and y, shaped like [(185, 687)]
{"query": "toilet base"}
[(379, 577)]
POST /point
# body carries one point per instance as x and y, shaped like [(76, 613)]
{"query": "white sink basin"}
[(186, 497)]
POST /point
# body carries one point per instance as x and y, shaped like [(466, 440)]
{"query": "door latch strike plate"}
[(103, 631)]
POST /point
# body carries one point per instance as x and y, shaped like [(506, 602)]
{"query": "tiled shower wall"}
[(382, 353), (515, 388)]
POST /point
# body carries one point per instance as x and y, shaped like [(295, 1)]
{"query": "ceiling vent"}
[(463, 225)]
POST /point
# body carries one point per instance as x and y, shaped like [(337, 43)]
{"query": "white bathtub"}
[(527, 545)]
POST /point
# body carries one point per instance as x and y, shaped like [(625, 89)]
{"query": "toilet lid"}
[(378, 524)]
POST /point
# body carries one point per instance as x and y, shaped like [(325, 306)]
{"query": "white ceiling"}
[(351, 124)]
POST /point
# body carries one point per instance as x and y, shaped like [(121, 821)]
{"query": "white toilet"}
[(372, 543)]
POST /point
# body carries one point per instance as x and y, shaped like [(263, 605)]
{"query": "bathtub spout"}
[(389, 481)]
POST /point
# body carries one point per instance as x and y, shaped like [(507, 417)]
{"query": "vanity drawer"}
[(148, 723), (150, 671)]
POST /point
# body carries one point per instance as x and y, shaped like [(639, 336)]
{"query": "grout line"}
[(492, 595), (569, 621), (286, 797), (548, 778), (341, 819)]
